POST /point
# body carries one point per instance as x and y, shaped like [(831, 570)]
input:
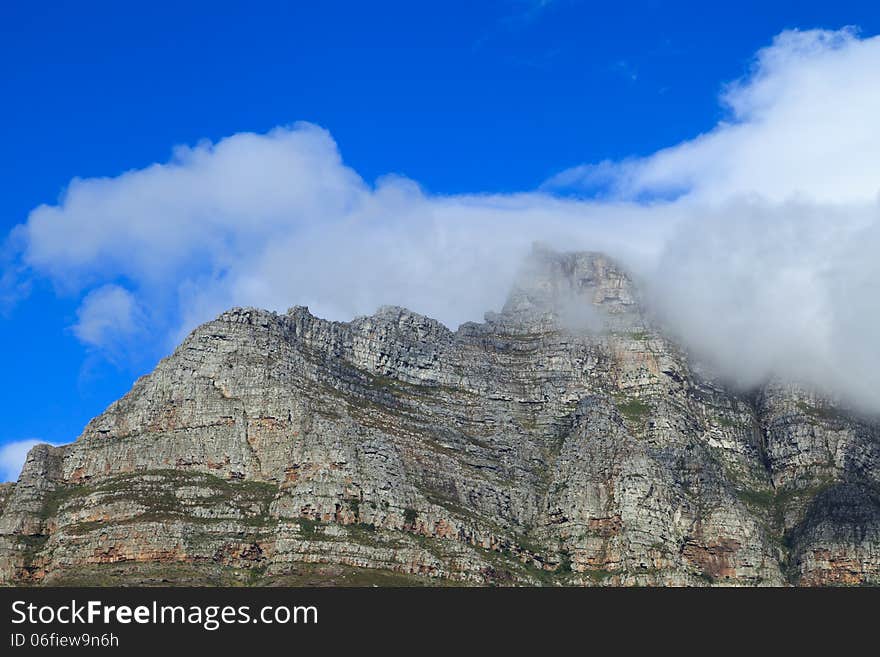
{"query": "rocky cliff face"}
[(564, 440)]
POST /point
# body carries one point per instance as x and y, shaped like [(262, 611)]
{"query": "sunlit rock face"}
[(565, 440)]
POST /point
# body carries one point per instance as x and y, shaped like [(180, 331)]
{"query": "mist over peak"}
[(754, 243)]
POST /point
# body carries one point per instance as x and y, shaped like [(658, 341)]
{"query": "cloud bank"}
[(757, 239), (277, 219), (803, 123)]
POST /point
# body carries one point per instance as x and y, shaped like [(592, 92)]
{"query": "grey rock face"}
[(564, 440)]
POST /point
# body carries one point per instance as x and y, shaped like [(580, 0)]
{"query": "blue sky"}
[(462, 97)]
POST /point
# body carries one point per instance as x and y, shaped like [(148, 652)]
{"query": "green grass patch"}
[(820, 412), (308, 527), (634, 410), (597, 575), (760, 498)]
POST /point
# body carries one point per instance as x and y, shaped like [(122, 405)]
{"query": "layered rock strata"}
[(565, 440)]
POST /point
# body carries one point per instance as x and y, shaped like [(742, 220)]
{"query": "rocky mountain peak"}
[(580, 290), (564, 441)]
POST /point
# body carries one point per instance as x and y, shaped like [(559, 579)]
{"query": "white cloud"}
[(762, 256), (107, 314), (12, 457), (211, 201), (804, 122), (277, 219), (788, 289)]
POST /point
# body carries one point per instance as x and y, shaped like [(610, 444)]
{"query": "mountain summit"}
[(565, 440)]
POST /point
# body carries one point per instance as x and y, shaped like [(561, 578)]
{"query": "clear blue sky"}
[(460, 96)]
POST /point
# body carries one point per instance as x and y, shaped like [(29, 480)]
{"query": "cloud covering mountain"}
[(756, 241)]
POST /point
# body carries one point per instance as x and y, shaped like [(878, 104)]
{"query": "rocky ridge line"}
[(565, 440)]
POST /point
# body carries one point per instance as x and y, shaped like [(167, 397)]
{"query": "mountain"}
[(565, 440)]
